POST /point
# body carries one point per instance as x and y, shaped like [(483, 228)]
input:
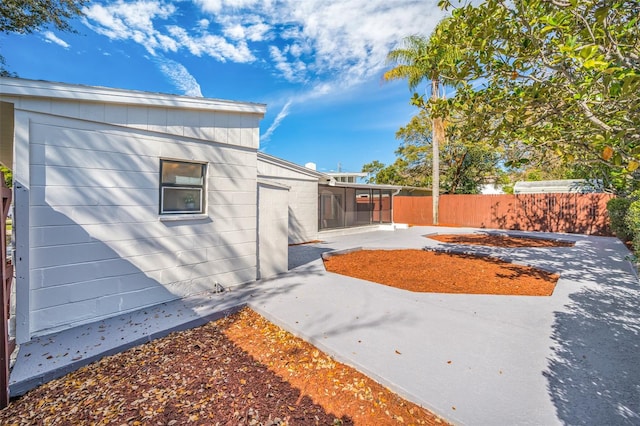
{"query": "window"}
[(181, 187)]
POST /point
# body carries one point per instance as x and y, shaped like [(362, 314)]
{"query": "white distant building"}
[(491, 189), (346, 177), (579, 186)]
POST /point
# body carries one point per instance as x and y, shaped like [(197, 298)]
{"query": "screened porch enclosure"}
[(345, 207)]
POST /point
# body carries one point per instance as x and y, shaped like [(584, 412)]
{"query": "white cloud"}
[(324, 39), (211, 45), (323, 46), (315, 39), (136, 21), (131, 20), (179, 76), (353, 38), (52, 38), (216, 6), (333, 45), (292, 71), (276, 122)]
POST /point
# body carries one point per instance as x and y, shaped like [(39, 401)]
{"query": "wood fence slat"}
[(571, 213)]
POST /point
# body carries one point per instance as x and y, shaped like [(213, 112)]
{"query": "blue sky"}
[(317, 64)]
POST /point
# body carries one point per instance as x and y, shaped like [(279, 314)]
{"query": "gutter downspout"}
[(393, 222)]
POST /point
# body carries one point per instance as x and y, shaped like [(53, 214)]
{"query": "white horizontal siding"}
[(238, 128), (87, 215), (63, 175), (98, 247), (80, 273), (237, 198), (221, 169), (49, 132), (93, 196), (44, 298), (303, 211)]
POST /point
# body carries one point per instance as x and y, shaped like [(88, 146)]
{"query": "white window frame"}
[(200, 188)]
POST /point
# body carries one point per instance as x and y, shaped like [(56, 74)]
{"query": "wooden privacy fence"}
[(572, 213)]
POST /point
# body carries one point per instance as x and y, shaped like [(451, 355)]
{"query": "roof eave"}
[(18, 87)]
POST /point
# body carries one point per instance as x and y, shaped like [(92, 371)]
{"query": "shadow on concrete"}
[(306, 253), (594, 374), (589, 385)]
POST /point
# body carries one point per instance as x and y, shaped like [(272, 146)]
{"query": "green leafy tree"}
[(8, 176), (397, 173), (465, 165), (423, 59), (27, 16), (559, 77)]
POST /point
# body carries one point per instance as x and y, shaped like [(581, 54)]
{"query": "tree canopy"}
[(27, 16), (464, 164), (552, 85), (558, 76)]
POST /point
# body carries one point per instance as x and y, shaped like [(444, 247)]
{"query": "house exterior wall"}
[(90, 242), (303, 196)]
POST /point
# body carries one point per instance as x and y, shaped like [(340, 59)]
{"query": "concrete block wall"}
[(92, 241)]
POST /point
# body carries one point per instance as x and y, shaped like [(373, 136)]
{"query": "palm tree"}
[(417, 61)]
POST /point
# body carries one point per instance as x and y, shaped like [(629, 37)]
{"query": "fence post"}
[(5, 296)]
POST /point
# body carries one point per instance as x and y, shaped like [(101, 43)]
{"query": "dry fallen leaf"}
[(243, 359)]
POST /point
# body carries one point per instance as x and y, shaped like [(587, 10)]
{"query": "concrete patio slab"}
[(571, 358)]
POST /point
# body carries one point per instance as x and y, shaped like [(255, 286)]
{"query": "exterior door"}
[(273, 230)]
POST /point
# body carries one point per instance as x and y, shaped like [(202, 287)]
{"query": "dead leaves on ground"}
[(338, 388), (240, 370)]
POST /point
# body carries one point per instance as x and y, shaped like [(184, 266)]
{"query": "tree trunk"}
[(437, 139)]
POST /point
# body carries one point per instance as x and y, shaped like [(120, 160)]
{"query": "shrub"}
[(617, 208), (632, 220)]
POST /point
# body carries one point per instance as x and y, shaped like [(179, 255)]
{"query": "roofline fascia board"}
[(337, 174), (365, 185), (18, 87), (289, 165)]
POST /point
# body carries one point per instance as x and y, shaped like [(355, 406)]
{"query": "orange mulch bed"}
[(240, 370), (434, 272), (508, 241)]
